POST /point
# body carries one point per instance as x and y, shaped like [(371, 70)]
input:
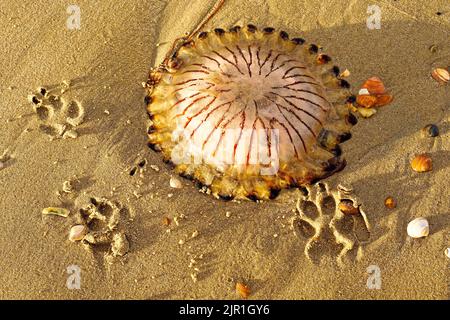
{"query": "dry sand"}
[(107, 60)]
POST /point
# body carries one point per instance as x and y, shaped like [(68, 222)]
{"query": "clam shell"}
[(422, 163), (346, 206), (440, 75), (418, 228), (243, 290), (366, 101), (77, 233), (375, 86), (175, 183)]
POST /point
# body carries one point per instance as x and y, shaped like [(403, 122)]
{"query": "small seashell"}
[(346, 206), (447, 252), (366, 113), (366, 101), (430, 130), (167, 221), (345, 73), (422, 163), (62, 212), (390, 203), (383, 100), (418, 228), (440, 75), (175, 183), (77, 233), (242, 290), (375, 86)]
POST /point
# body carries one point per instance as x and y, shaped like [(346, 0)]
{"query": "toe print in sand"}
[(57, 116), (329, 223)]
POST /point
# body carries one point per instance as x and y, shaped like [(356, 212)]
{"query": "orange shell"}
[(422, 163), (366, 101), (390, 203), (243, 290), (383, 100), (375, 86), (441, 75), (346, 206)]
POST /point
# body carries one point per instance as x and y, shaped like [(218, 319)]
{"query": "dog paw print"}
[(58, 117), (105, 231), (330, 224)]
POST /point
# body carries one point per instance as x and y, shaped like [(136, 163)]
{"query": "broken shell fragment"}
[(418, 228), (422, 163), (440, 75), (347, 208), (447, 252), (77, 233), (390, 203), (430, 130), (366, 113), (62, 212), (375, 86), (242, 290)]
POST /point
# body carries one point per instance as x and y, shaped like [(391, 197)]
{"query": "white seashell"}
[(77, 233), (447, 252), (418, 228), (175, 183)]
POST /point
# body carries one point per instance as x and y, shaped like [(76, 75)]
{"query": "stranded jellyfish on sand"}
[(248, 112)]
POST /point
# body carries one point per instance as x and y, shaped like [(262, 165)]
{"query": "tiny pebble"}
[(228, 214), (181, 242), (430, 130), (154, 167), (194, 234)]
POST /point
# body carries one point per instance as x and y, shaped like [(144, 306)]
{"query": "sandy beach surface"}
[(93, 76)]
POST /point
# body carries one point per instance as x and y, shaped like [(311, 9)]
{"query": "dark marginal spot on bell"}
[(253, 197), (345, 137), (274, 193), (226, 197), (268, 30), (169, 163), (284, 35), (351, 99), (154, 147), (43, 91), (199, 185), (151, 116), (93, 201), (219, 31), (203, 35), (336, 151), (151, 129), (235, 29), (298, 41), (188, 43), (133, 171), (187, 175), (336, 71), (148, 100), (323, 58), (313, 48), (350, 118), (344, 83), (251, 28)]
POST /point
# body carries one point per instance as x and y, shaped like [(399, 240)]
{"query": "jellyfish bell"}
[(247, 113)]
